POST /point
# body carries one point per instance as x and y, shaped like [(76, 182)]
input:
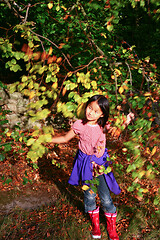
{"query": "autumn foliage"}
[(67, 52)]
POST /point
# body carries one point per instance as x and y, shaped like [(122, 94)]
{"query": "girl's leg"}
[(90, 207), (108, 207), (105, 196), (89, 200)]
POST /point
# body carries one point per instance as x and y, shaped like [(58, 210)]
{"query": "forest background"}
[(58, 54)]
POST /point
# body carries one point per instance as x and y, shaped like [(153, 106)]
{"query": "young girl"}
[(91, 155)]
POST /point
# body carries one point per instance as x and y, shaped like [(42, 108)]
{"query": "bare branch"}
[(15, 12), (115, 77), (27, 13), (81, 68), (130, 74), (40, 36)]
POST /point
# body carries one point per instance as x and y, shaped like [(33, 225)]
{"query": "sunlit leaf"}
[(121, 90), (154, 150), (50, 5)]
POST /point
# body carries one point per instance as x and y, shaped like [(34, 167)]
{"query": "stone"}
[(13, 120), (29, 198)]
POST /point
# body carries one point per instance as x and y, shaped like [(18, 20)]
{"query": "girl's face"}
[(93, 112)]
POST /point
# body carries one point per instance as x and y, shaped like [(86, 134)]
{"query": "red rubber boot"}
[(94, 215), (111, 225)]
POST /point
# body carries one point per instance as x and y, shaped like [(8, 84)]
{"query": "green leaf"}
[(30, 141), (156, 200), (42, 114), (7, 147), (24, 78), (33, 156), (25, 180), (15, 68), (8, 181), (31, 44), (94, 6), (2, 157), (110, 27), (131, 188), (19, 55)]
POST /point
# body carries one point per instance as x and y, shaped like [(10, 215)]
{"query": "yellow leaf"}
[(50, 51), (109, 27), (69, 74), (154, 150), (64, 91), (50, 5), (81, 110), (145, 190), (20, 139), (118, 121), (32, 94), (121, 89), (148, 173), (8, 134), (147, 94), (141, 173), (118, 73), (85, 187), (59, 60), (124, 149), (103, 35), (55, 85), (147, 151), (94, 84), (65, 9)]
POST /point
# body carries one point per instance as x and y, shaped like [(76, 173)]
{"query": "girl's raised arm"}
[(65, 138)]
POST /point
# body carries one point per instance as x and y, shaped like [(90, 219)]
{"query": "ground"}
[(40, 204)]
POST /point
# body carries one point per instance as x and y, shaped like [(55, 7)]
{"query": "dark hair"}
[(104, 106)]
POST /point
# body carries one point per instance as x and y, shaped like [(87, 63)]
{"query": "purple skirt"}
[(83, 169)]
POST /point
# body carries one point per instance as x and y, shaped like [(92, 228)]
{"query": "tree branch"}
[(130, 74), (15, 12), (40, 36), (27, 13), (116, 86)]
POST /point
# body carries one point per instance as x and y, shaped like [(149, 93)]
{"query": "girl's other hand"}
[(130, 117)]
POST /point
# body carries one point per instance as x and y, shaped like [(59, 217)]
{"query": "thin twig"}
[(86, 66), (115, 77), (130, 74), (27, 13), (40, 36)]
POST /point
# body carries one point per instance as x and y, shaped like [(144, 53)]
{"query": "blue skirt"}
[(83, 170)]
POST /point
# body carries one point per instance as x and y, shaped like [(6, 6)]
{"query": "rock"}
[(3, 97), (16, 95), (17, 103), (31, 198), (12, 105), (13, 119)]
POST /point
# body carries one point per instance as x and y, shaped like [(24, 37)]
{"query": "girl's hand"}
[(130, 117)]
